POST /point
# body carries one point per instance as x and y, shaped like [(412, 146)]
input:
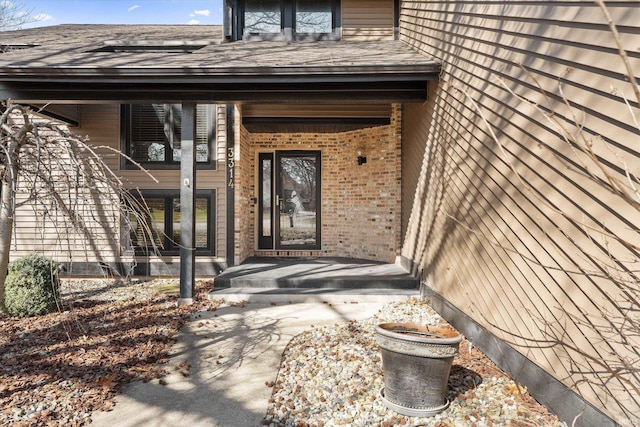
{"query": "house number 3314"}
[(231, 164)]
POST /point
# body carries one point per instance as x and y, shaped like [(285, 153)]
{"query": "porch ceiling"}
[(69, 64)]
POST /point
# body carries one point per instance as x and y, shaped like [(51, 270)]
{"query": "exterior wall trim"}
[(547, 390)]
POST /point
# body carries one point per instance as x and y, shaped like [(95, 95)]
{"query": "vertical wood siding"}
[(367, 20), (101, 123), (505, 231)]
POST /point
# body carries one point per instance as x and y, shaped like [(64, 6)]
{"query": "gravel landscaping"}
[(59, 368), (332, 376)]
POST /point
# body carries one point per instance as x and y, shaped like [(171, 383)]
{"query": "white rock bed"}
[(332, 376)]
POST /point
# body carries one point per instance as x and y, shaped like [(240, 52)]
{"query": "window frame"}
[(288, 24), (169, 163), (169, 196)]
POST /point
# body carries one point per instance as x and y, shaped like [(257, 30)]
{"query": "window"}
[(165, 220), (262, 16), (290, 19), (313, 16), (152, 133)]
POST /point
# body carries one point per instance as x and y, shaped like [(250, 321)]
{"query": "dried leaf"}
[(106, 381)]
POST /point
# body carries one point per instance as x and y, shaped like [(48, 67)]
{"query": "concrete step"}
[(308, 295), (329, 273), (326, 282)]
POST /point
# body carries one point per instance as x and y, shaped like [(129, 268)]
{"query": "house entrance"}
[(289, 200)]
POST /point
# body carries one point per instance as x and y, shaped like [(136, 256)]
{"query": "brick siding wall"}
[(244, 191), (360, 204)]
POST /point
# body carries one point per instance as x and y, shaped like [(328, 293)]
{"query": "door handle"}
[(277, 200)]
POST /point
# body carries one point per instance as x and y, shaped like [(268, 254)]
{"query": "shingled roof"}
[(122, 62)]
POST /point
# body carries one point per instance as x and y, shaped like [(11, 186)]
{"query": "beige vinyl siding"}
[(101, 123), (220, 179), (415, 133), (38, 232), (519, 255), (40, 228), (367, 20)]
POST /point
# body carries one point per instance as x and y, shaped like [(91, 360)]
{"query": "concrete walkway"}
[(221, 363)]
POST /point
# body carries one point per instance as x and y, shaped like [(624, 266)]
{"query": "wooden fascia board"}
[(218, 72), (233, 76)]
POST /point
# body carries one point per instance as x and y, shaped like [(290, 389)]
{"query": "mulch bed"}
[(58, 368)]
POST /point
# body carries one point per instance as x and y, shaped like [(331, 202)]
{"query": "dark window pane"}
[(164, 222), (155, 222), (202, 208), (262, 16), (202, 225), (147, 133), (205, 130), (176, 222), (156, 126), (157, 208), (313, 16)]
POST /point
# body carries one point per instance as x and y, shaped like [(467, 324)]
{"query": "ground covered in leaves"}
[(58, 368)]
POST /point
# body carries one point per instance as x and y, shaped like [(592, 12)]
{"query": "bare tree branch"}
[(69, 186), (13, 15)]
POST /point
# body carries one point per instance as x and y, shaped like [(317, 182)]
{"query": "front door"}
[(289, 200)]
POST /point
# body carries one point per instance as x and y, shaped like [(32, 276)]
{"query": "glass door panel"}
[(265, 201), (289, 200), (298, 194)]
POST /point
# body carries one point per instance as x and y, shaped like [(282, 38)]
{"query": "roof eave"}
[(181, 73), (321, 84)]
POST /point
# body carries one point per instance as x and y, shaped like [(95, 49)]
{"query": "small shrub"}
[(31, 287)]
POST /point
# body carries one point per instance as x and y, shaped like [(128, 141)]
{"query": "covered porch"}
[(85, 69)]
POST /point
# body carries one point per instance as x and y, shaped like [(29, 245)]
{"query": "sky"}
[(55, 12)]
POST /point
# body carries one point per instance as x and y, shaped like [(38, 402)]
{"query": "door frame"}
[(273, 243)]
